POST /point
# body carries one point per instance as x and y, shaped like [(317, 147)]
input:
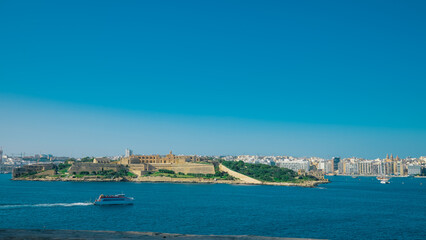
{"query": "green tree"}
[(265, 172)]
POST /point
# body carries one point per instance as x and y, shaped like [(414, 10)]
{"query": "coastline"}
[(174, 180), (19, 234)]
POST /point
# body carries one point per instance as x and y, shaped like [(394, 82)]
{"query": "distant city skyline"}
[(302, 78), (48, 154)]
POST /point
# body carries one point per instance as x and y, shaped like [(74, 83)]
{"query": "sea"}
[(346, 208)]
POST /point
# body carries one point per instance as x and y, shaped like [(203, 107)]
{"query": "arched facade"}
[(157, 159)]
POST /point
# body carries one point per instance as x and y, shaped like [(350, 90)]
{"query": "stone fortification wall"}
[(183, 180), (32, 169), (140, 169), (47, 173), (240, 176), (186, 167), (79, 167)]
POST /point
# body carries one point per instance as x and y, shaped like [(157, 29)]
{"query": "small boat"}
[(383, 180), (119, 199)]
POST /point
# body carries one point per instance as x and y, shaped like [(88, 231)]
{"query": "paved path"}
[(240, 176)]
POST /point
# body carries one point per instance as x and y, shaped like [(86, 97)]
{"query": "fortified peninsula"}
[(167, 168)]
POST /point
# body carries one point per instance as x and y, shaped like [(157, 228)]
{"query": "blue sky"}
[(304, 78)]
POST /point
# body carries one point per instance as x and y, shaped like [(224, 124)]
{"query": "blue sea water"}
[(347, 208)]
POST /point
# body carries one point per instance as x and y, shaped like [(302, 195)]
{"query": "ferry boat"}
[(119, 199)]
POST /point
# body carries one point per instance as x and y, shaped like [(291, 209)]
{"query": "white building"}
[(295, 165), (414, 169), (128, 153)]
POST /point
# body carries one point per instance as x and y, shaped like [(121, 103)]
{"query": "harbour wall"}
[(186, 168), (94, 167)]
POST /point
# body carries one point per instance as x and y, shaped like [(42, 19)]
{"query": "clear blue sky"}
[(304, 78)]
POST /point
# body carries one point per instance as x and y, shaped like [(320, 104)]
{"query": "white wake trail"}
[(8, 206)]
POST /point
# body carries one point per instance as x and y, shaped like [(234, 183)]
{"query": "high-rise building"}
[(128, 153), (341, 167), (365, 167), (1, 160), (295, 165), (414, 169), (351, 168), (328, 166), (335, 163)]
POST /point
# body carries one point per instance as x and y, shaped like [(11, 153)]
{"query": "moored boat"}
[(383, 180), (119, 199)]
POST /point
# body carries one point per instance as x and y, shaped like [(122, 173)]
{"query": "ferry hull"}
[(104, 203)]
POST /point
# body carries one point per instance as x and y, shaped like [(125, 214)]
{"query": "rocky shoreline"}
[(172, 180), (37, 234)]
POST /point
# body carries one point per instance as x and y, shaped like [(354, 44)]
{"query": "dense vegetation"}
[(87, 159), (166, 171), (222, 175), (106, 174), (63, 167), (265, 172), (29, 174)]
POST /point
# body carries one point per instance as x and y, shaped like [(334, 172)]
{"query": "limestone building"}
[(168, 159), (101, 160), (138, 164)]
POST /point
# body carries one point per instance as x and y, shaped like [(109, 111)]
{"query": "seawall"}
[(184, 180), (186, 168)]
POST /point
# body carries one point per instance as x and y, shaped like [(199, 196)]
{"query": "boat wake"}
[(9, 206)]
